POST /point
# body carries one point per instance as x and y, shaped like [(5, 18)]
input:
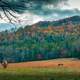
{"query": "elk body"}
[(4, 64), (60, 65)]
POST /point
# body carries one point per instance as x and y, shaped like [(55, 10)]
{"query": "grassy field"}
[(40, 73)]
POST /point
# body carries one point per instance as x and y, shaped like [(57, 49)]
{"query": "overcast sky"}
[(41, 10), (69, 8)]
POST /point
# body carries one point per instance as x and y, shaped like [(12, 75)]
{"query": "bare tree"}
[(10, 8)]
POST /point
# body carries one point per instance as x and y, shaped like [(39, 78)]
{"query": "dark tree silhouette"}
[(9, 7)]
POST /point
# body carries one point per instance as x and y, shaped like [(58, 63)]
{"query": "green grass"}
[(40, 74)]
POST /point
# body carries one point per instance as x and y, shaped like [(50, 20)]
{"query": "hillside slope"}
[(33, 43)]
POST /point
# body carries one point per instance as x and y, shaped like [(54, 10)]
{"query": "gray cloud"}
[(44, 8), (31, 5), (59, 14)]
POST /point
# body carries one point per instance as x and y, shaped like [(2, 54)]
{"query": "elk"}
[(4, 64), (60, 64)]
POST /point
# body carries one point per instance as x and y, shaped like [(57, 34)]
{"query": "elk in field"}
[(60, 64), (4, 64)]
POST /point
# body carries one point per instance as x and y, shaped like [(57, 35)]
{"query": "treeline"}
[(39, 43)]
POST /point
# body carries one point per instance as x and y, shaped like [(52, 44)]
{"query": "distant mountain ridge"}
[(70, 20), (6, 26)]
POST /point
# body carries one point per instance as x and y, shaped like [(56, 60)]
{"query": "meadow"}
[(20, 72)]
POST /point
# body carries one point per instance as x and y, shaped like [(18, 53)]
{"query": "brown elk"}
[(4, 63), (60, 65)]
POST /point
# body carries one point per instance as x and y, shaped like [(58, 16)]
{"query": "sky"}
[(46, 10), (50, 13)]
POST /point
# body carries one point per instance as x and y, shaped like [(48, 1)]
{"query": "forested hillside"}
[(40, 43)]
